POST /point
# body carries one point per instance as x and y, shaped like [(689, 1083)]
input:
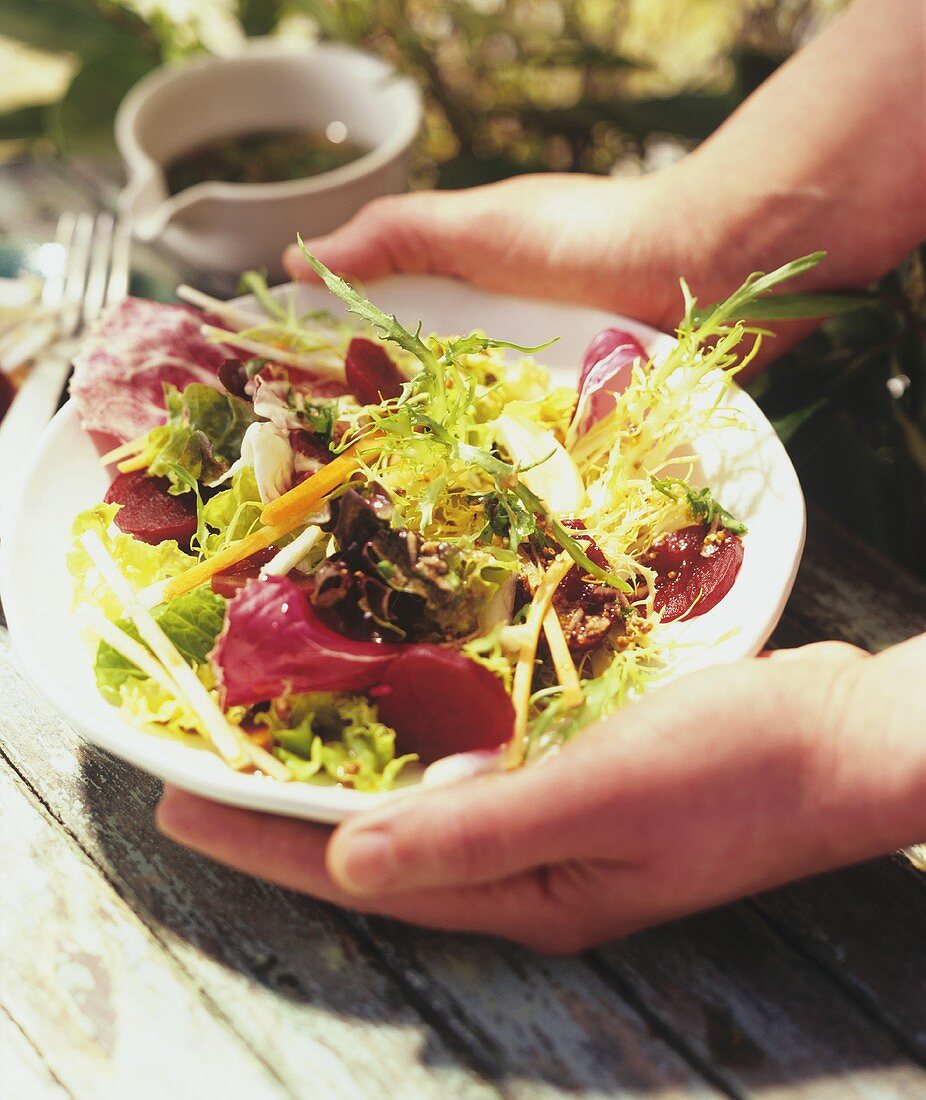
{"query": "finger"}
[(418, 233), (529, 907), (835, 652), (477, 831)]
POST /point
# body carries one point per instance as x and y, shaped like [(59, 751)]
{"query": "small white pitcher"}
[(228, 227)]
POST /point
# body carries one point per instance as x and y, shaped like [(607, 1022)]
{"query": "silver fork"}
[(93, 272)]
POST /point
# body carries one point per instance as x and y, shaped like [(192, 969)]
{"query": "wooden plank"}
[(289, 972), (737, 983), (22, 1072), (109, 1013), (547, 1027), (847, 591), (865, 927), (750, 1006)]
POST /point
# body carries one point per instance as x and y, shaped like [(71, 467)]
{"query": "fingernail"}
[(367, 861)]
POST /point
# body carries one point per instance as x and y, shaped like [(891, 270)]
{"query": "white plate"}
[(749, 471)]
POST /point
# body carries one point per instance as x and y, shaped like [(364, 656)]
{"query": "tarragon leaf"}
[(701, 503), (387, 324)]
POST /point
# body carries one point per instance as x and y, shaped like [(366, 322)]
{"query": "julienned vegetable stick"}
[(125, 450), (323, 367), (524, 670), (198, 699), (225, 559), (562, 660), (232, 314), (125, 645), (290, 556), (281, 516), (130, 465), (295, 504), (264, 760)]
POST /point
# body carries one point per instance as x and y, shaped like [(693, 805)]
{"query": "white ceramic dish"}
[(748, 469), (230, 227)]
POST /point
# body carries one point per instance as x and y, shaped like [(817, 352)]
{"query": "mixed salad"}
[(337, 550)]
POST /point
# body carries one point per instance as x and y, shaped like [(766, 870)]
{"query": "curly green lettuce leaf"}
[(334, 735), (700, 502), (141, 563), (202, 436), (233, 513), (192, 622), (149, 705), (628, 675)]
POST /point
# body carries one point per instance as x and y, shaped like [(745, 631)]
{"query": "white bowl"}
[(747, 467), (229, 227)]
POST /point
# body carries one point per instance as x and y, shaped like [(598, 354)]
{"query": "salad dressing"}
[(262, 156)]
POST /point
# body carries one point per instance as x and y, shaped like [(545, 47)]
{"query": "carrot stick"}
[(281, 516), (224, 559), (298, 502)]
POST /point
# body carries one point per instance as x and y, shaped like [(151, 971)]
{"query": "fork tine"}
[(76, 274), (118, 286), (98, 272), (53, 290)]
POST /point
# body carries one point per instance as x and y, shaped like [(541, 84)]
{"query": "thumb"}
[(419, 233), (476, 831)]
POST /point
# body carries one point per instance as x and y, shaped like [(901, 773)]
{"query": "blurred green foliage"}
[(592, 85)]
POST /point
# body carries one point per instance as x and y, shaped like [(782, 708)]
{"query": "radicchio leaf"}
[(131, 351), (274, 642), (606, 369)]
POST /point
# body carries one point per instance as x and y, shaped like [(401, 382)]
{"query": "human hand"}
[(726, 782), (616, 244)]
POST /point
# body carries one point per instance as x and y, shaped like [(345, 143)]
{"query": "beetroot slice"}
[(694, 576), (440, 702), (149, 512), (310, 445), (370, 373), (230, 581), (235, 577)]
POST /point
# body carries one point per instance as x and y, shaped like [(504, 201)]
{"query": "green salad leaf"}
[(202, 436), (327, 733), (192, 622), (141, 563), (700, 502), (232, 513)]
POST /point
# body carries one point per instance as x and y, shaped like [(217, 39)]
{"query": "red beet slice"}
[(440, 702), (231, 580), (370, 373), (693, 575), (149, 512), (7, 393), (311, 445)]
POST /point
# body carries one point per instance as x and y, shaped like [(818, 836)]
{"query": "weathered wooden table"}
[(133, 969)]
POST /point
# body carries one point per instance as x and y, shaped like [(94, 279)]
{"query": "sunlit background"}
[(608, 86)]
